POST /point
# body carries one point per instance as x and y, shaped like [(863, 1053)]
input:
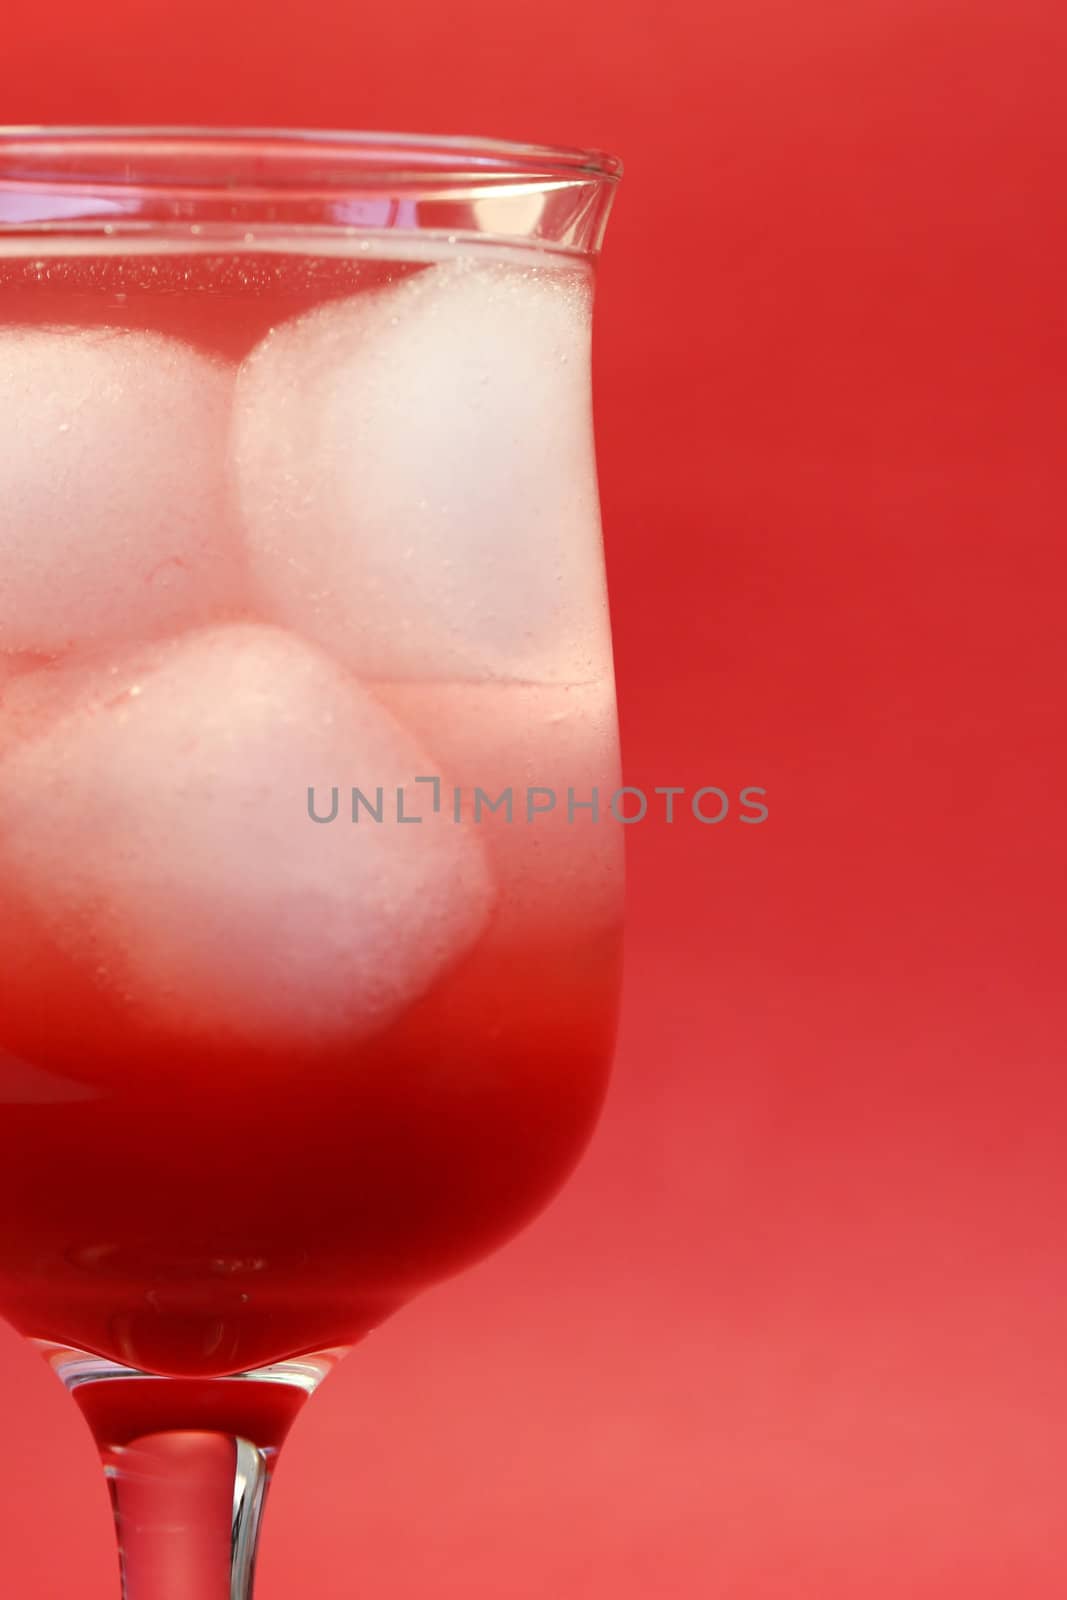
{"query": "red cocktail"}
[(311, 891)]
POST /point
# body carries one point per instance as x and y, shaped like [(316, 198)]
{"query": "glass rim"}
[(421, 155)]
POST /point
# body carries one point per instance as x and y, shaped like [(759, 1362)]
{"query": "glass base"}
[(188, 1463)]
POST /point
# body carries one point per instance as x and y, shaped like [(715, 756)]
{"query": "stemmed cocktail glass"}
[(310, 883)]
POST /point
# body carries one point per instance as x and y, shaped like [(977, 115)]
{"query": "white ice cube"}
[(113, 515), (416, 477), (155, 821)]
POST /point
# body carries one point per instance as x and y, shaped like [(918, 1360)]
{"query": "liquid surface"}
[(272, 521)]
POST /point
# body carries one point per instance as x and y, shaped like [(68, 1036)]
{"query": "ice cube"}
[(158, 826), (113, 515), (416, 476)]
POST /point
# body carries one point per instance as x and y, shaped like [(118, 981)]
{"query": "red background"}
[(798, 1328)]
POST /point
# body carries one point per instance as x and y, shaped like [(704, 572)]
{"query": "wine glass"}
[(310, 876)]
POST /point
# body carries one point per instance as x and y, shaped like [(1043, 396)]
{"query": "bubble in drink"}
[(157, 824), (415, 474), (113, 518)]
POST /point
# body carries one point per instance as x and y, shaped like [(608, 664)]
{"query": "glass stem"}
[(188, 1463), (187, 1510)]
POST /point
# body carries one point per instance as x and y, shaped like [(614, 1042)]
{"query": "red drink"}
[(262, 1078)]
